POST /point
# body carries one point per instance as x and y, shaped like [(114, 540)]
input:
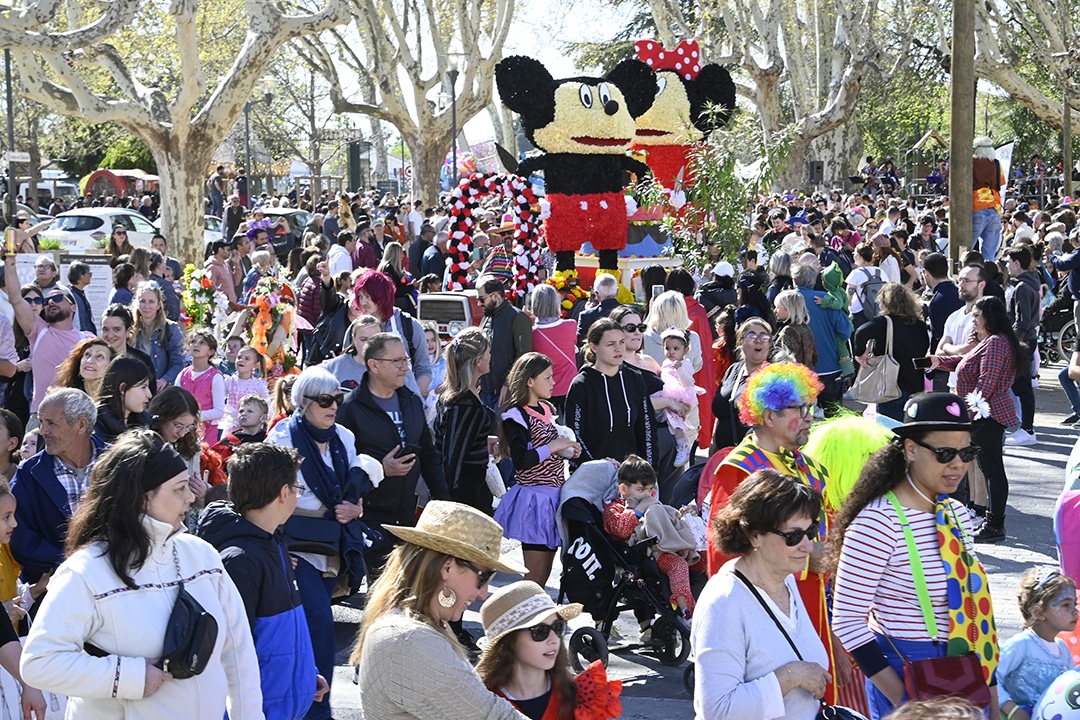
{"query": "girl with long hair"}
[(124, 556), (462, 422), (85, 366), (176, 419), (156, 335), (122, 399), (539, 452), (986, 374), (526, 661), (393, 265)]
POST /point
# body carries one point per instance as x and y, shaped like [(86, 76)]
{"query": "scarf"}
[(326, 483), (971, 613)]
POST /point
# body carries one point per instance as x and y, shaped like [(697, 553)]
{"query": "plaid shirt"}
[(73, 480), (990, 369)]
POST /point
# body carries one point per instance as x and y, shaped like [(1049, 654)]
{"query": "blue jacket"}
[(42, 512), (259, 566), (830, 327), (1069, 263), (167, 353)]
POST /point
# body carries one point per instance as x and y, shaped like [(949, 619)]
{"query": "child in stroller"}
[(608, 576)]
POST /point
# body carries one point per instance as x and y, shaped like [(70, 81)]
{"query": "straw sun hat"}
[(519, 606), (461, 532)]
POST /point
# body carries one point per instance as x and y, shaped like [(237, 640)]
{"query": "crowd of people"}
[(324, 441)]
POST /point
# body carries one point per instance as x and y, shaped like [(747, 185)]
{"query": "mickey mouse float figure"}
[(585, 125), (680, 115)]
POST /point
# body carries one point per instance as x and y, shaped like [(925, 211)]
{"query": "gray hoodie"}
[(1024, 305)]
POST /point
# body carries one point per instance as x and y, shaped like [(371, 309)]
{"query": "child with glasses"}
[(637, 515), (526, 661), (1033, 659)]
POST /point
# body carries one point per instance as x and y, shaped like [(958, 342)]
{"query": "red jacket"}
[(705, 377)]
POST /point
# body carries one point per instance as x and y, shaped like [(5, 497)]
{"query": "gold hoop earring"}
[(447, 601)]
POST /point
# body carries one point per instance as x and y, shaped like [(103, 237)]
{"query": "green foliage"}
[(733, 165), (50, 244), (78, 147), (893, 115), (129, 152)]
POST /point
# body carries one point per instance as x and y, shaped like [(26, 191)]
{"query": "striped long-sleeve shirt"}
[(875, 574), (461, 430)]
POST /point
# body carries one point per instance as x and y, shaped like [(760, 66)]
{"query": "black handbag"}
[(826, 711), (315, 535), (190, 634)]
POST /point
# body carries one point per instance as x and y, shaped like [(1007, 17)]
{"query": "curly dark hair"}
[(885, 469), (762, 502), (67, 375)]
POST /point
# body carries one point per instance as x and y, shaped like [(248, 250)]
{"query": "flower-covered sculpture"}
[(585, 126)]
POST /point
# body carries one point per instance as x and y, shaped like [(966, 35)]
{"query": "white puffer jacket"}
[(87, 602)]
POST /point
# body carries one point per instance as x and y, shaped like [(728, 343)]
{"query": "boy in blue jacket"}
[(262, 488)]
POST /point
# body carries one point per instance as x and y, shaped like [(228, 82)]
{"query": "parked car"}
[(211, 228), (285, 240), (83, 230)]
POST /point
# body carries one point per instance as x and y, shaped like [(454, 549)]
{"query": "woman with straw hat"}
[(525, 660), (411, 665)]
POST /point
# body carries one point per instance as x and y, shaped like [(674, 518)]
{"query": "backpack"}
[(869, 291), (330, 330)]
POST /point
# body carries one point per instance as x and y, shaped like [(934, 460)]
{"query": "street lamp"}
[(452, 73), (267, 85)]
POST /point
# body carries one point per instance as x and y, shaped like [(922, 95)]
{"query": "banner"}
[(1005, 155)]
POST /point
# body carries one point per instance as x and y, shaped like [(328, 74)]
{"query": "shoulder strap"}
[(888, 335), (750, 586), (916, 568)]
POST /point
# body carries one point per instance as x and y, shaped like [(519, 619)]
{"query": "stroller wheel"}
[(688, 679), (1067, 340), (587, 645), (673, 646)]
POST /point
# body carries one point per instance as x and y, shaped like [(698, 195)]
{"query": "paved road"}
[(652, 691)]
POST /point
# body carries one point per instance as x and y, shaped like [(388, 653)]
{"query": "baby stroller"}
[(608, 577)]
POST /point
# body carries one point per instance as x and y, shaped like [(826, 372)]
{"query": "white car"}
[(84, 229), (211, 229)]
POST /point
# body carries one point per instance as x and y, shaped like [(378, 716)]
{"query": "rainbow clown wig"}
[(775, 387)]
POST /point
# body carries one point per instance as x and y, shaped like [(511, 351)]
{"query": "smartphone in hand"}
[(922, 363)]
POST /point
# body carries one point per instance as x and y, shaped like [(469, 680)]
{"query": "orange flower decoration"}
[(597, 697)]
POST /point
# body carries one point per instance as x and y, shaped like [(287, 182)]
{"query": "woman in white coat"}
[(116, 591)]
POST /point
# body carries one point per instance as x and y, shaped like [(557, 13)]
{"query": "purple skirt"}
[(527, 513)]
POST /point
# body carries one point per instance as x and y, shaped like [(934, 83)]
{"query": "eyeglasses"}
[(640, 327), (757, 337), (945, 455), (804, 410), (182, 429), (540, 632), (793, 538), (299, 490), (55, 299), (482, 578), (326, 400), (398, 362)]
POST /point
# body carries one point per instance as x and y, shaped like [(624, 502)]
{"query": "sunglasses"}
[(946, 455), (326, 400), (758, 337), (482, 578), (120, 232), (55, 299), (35, 300), (540, 632), (793, 538), (640, 327)]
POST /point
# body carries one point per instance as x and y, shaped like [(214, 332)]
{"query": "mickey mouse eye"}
[(586, 95), (605, 94), (661, 83)]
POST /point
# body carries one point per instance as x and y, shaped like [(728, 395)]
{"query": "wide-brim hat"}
[(519, 606), (508, 224), (929, 412), (461, 532)]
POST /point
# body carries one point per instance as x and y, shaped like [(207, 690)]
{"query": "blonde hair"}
[(391, 257), (793, 302), (409, 582), (362, 321), (1038, 586), (143, 336), (433, 328), (668, 310), (464, 350)]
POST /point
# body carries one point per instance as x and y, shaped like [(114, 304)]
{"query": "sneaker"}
[(682, 456), (1071, 420), (1035, 381), (1076, 425), (988, 533), (1020, 438)]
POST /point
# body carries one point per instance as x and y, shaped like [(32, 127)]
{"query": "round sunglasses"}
[(540, 632), (326, 400)]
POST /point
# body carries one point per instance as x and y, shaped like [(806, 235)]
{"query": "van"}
[(66, 190)]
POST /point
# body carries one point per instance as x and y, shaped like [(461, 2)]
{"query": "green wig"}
[(843, 444)]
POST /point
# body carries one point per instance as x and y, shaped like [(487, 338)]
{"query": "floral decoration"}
[(978, 405), (203, 304)]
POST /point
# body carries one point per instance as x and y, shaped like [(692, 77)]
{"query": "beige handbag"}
[(877, 379)]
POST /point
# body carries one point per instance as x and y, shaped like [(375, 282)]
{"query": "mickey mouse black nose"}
[(611, 107)]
